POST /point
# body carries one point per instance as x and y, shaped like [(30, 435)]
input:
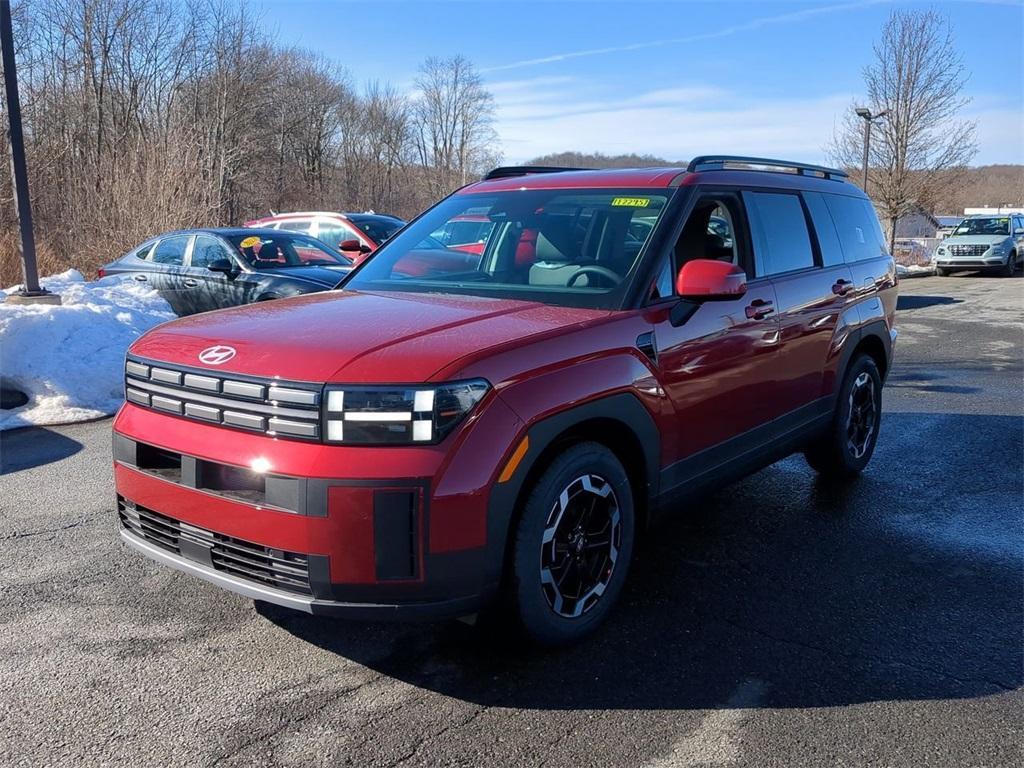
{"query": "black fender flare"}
[(875, 328), (623, 407)]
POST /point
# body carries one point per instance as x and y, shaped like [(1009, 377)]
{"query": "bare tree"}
[(148, 115), (917, 79), (454, 114)]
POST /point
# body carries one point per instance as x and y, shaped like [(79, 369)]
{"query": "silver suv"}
[(986, 242)]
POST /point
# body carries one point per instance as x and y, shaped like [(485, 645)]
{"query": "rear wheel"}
[(572, 547), (846, 448)]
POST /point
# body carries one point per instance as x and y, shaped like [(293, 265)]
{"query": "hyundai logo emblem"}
[(217, 355)]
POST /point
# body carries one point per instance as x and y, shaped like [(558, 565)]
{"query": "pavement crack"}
[(831, 653), (431, 736), (44, 531)]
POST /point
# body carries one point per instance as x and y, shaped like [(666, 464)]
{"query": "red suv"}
[(454, 432), (354, 234)]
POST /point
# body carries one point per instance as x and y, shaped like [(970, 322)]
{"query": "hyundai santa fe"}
[(458, 431)]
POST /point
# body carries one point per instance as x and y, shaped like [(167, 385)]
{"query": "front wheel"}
[(572, 547), (941, 272), (1011, 265), (846, 448)]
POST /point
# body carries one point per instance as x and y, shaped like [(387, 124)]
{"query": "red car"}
[(356, 235), (456, 432)]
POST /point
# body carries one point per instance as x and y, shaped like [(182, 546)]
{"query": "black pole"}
[(867, 149), (19, 170)]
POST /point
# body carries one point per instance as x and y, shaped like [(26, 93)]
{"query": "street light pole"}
[(31, 291), (868, 118)]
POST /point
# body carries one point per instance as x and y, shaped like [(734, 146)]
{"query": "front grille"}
[(253, 562), (271, 406), (968, 250)]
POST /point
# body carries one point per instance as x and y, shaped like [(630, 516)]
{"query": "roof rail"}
[(509, 171), (721, 162)]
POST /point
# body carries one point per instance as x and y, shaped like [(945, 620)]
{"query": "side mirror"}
[(709, 280), (1019, 231), (352, 246), (221, 265)]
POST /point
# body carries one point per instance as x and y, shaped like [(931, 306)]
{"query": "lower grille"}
[(276, 568), (968, 250)]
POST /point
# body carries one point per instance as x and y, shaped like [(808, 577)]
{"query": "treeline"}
[(148, 115)]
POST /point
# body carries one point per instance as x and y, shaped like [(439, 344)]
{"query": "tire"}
[(941, 272), (1011, 265), (846, 448), (548, 546)]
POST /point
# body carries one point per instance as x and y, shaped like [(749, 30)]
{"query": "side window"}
[(145, 251), (207, 250), (825, 229), (712, 231), (663, 284), (333, 233), (295, 225), (781, 240), (859, 231), (171, 250)]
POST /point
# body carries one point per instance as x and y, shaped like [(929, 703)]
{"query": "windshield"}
[(993, 226), (282, 249), (557, 246), (378, 228)]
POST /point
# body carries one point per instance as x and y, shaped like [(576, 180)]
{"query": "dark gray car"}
[(197, 270)]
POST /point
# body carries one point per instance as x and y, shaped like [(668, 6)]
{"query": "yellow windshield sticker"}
[(249, 242), (632, 202)]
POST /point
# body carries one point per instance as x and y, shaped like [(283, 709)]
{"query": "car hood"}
[(974, 240), (355, 337), (329, 276)]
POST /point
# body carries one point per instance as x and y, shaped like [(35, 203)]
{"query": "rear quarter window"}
[(860, 234), (825, 229)]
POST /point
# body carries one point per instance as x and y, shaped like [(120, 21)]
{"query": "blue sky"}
[(672, 79)]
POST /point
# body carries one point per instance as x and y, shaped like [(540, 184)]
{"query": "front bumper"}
[(384, 533), (429, 610)]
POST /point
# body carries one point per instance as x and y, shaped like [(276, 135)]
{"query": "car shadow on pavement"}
[(904, 584), (33, 447), (913, 301)]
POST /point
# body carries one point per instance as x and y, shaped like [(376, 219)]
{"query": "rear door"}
[(169, 271), (813, 287)]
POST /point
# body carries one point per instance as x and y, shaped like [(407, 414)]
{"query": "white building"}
[(993, 211)]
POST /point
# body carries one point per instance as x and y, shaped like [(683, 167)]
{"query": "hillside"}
[(984, 185)]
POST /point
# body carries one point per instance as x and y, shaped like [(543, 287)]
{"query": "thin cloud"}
[(753, 24)]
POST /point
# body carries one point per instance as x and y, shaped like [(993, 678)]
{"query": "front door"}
[(720, 365), (214, 290)]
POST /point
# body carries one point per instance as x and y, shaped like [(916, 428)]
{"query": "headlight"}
[(941, 251), (397, 415)]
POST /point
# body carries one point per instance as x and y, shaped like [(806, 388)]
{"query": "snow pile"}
[(915, 270), (69, 359)]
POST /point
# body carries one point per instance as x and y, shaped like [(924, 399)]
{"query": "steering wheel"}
[(594, 269)]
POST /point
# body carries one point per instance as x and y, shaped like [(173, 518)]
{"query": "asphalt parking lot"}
[(780, 622)]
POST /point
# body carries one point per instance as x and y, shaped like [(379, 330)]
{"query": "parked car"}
[(987, 243), (202, 269), (356, 235), (456, 432)]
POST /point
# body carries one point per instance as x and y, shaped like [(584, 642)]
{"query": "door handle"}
[(842, 287), (759, 309), (191, 283), (140, 278)]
